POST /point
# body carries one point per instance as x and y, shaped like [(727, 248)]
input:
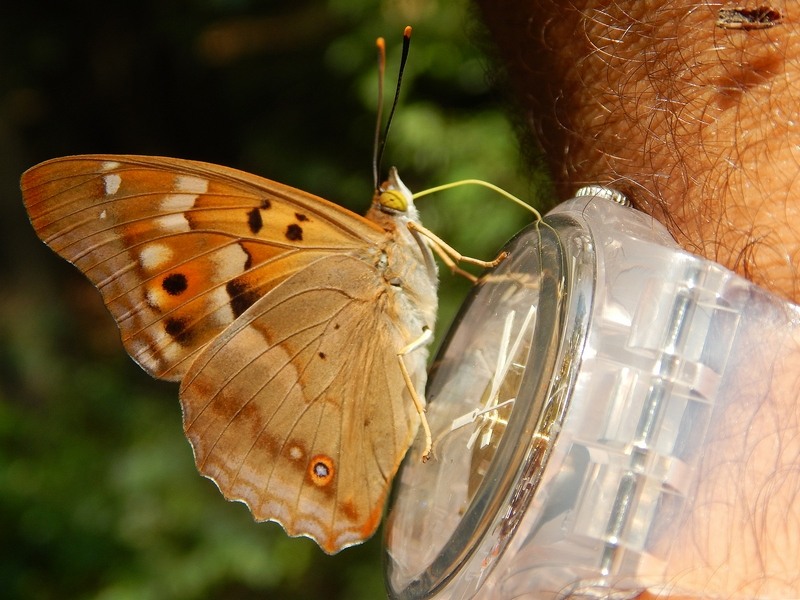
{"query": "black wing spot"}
[(266, 204), (254, 221), (300, 217), (175, 284), (177, 329), (294, 233), (242, 297), (322, 355)]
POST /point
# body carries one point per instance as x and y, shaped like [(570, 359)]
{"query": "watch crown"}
[(604, 192)]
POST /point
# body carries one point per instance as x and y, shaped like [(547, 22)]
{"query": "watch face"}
[(486, 395)]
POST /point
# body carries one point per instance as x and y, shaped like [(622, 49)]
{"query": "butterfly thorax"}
[(406, 260)]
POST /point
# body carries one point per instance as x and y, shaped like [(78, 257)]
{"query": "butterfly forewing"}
[(179, 249)]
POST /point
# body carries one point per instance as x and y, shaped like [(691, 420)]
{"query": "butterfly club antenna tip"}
[(380, 141)]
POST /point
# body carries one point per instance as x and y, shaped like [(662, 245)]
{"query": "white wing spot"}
[(230, 260), (178, 202), (155, 296), (169, 351), (176, 222), (295, 453), (109, 165), (154, 256), (103, 214), (111, 182), (194, 185), (223, 313)]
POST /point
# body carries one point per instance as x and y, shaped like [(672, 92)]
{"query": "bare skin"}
[(700, 126)]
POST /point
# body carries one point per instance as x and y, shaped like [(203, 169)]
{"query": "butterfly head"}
[(393, 196)]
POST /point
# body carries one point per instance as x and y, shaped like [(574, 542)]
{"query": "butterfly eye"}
[(393, 195), (393, 199)]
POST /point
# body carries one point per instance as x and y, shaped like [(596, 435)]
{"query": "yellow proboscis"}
[(479, 182)]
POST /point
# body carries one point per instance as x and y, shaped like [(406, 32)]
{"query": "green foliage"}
[(99, 497)]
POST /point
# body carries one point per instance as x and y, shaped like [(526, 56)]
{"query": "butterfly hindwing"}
[(306, 420), (179, 249)]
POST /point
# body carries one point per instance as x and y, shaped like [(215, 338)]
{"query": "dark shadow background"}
[(99, 497)]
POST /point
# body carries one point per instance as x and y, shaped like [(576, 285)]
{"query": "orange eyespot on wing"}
[(321, 470)]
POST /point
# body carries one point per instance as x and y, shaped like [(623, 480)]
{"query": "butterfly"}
[(297, 329)]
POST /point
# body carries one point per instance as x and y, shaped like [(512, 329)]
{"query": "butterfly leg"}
[(452, 252), (423, 339), (451, 264)]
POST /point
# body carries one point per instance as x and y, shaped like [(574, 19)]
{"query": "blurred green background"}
[(99, 497)]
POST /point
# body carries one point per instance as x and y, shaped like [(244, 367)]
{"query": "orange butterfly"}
[(298, 330)]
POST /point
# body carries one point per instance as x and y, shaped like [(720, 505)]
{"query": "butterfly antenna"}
[(381, 44), (380, 144)]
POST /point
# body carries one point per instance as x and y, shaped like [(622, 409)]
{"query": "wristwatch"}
[(570, 406)]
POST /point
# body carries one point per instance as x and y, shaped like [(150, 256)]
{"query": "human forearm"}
[(698, 125)]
